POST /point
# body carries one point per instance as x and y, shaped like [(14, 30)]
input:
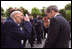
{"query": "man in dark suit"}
[(59, 29), (70, 23), (39, 31), (31, 38), (12, 33)]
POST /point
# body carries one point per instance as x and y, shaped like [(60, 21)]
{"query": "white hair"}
[(12, 14)]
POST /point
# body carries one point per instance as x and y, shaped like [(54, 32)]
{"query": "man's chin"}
[(18, 22)]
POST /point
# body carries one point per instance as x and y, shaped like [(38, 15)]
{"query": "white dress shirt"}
[(56, 14)]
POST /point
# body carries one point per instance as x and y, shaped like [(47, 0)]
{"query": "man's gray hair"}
[(52, 7), (12, 14)]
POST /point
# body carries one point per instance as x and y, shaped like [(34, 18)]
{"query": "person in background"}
[(58, 31), (10, 10), (11, 32), (42, 27), (1, 20), (32, 34), (46, 25), (15, 8), (39, 30), (35, 24)]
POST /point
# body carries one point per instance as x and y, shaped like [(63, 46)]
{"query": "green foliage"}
[(68, 15), (2, 12), (63, 13), (42, 11), (2, 9), (24, 11), (7, 12), (66, 12), (68, 6), (35, 11)]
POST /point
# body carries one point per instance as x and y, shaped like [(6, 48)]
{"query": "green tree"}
[(68, 6), (42, 11), (35, 11), (24, 11), (68, 15), (7, 12), (68, 11), (63, 13), (2, 12)]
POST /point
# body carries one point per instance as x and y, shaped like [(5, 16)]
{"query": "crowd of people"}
[(35, 29)]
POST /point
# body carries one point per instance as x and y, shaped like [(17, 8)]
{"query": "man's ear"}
[(14, 15)]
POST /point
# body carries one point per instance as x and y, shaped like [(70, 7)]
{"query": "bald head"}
[(17, 16), (15, 12)]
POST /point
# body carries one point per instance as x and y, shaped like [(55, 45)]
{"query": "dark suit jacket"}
[(12, 35), (58, 33), (1, 33)]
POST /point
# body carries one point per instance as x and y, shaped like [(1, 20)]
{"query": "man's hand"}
[(26, 18), (46, 22)]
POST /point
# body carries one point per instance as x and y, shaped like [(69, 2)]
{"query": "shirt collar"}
[(56, 14)]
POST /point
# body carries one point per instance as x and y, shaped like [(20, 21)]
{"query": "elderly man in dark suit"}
[(12, 33), (59, 29)]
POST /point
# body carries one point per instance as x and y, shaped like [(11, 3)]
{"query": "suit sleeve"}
[(27, 27), (53, 33), (14, 31)]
